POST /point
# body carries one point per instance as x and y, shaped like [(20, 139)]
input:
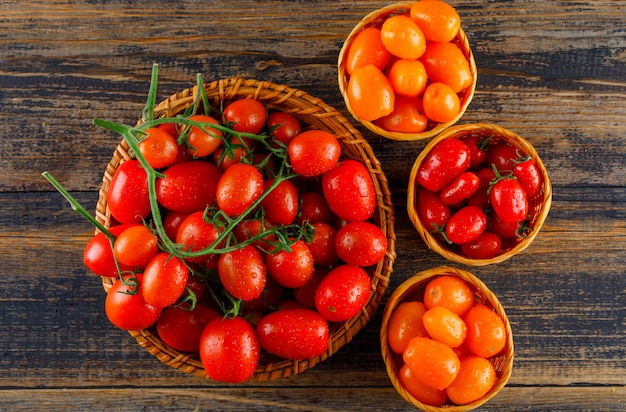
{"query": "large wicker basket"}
[(313, 113), (376, 19), (412, 288), (539, 206)]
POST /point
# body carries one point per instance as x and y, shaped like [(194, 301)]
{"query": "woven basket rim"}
[(539, 218), (374, 19), (318, 115), (503, 361)]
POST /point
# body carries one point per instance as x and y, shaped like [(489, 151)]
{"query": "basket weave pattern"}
[(312, 113)]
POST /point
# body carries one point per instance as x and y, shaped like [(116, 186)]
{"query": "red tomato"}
[(314, 208), (127, 196), (349, 191), (238, 188), (366, 48), (98, 255), (502, 155), (203, 142), (445, 63), (293, 268), (461, 188), (294, 333), (226, 342), (189, 186), (181, 328), (478, 148), (434, 363), (475, 380), (171, 223), (305, 294), (466, 225), (403, 37), (509, 200), (243, 272), (432, 212), (441, 103), (314, 152), (485, 246), (480, 198), (370, 94), (438, 20), (407, 116), (159, 148), (404, 324), (283, 127), (501, 228), (486, 335), (194, 234), (126, 307), (322, 244), (281, 204), (419, 390), (251, 228), (446, 160), (164, 280), (135, 246), (528, 176), (342, 293), (361, 243), (245, 115)]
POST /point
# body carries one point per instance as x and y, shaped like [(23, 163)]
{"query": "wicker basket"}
[(414, 286), (539, 206), (314, 113), (376, 19)]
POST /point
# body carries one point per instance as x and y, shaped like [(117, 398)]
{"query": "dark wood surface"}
[(552, 71)]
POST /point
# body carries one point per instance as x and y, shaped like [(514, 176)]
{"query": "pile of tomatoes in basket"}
[(444, 340), (474, 193), (408, 72), (245, 233)]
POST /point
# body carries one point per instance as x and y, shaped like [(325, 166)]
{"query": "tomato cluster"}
[(443, 339), (236, 232), (474, 194), (408, 73)]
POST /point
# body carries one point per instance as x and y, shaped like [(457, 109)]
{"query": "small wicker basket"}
[(539, 206), (313, 113), (413, 287), (376, 19)]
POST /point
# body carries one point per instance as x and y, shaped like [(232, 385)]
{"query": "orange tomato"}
[(475, 380), (370, 94), (407, 116), (367, 48), (434, 363), (445, 63), (441, 103), (450, 292), (404, 324), (407, 77), (403, 37), (486, 335), (445, 326), (419, 390), (438, 20)]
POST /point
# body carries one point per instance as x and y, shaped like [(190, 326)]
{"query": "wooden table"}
[(554, 72)]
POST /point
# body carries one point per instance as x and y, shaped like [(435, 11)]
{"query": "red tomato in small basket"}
[(466, 225), (447, 160), (127, 196), (461, 188), (509, 200), (529, 177), (432, 212), (485, 246)]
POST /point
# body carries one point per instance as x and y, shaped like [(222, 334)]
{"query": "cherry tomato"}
[(407, 77), (438, 20), (283, 126), (445, 326), (126, 307), (502, 155), (361, 243), (98, 255), (239, 187), (164, 280), (189, 186), (349, 191), (281, 204), (366, 48), (135, 246), (404, 324), (407, 116), (226, 342), (243, 272), (441, 103), (486, 335), (403, 37), (305, 294), (449, 292), (314, 208), (509, 200), (171, 223), (322, 244), (170, 128), (127, 196), (293, 268), (445, 63), (314, 152), (181, 328), (297, 333), (475, 380), (419, 390), (528, 176), (342, 293), (194, 234), (478, 149), (434, 363), (501, 228), (461, 188), (245, 115), (447, 159), (369, 93), (480, 198), (204, 140), (432, 212), (466, 224), (485, 246), (251, 228), (159, 148)]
